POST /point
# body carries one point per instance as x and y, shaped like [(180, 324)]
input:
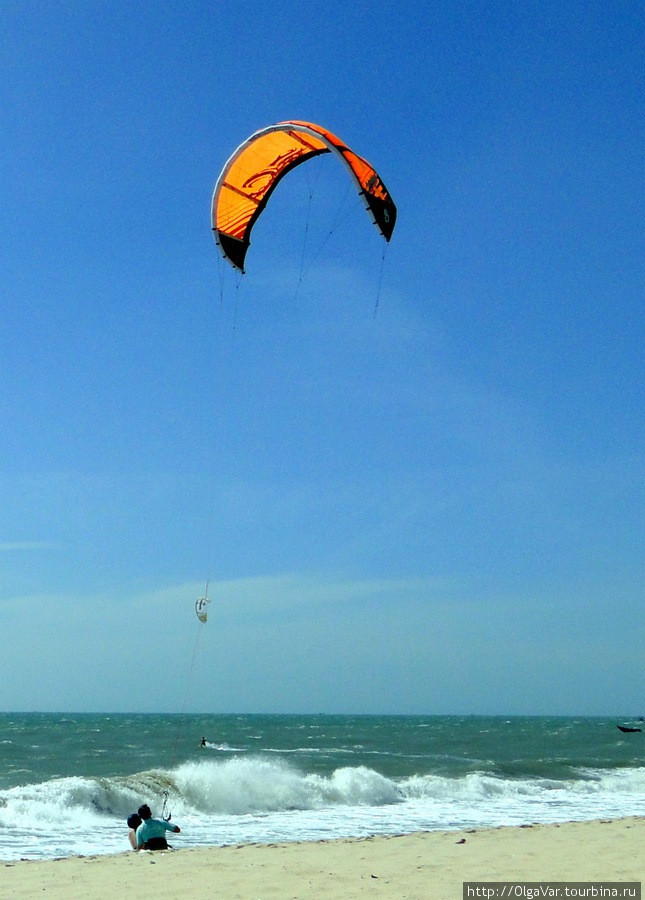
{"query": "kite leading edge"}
[(255, 168)]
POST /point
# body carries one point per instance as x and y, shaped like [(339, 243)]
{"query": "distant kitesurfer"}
[(133, 823), (150, 834), (203, 742)]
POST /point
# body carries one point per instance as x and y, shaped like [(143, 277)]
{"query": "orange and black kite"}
[(255, 168)]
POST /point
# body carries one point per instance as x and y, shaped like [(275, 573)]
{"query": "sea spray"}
[(260, 785), (243, 785)]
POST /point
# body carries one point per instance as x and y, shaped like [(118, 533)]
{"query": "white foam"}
[(261, 798)]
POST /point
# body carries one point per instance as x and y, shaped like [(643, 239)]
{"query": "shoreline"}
[(398, 867)]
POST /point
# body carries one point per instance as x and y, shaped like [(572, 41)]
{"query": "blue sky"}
[(414, 480)]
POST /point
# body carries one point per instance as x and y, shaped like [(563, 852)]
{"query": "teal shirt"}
[(152, 828)]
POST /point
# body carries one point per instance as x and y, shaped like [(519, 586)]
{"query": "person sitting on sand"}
[(133, 823), (150, 834)]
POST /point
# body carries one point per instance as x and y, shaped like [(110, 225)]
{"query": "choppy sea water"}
[(68, 782)]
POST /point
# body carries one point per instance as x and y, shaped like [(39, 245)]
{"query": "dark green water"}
[(36, 747)]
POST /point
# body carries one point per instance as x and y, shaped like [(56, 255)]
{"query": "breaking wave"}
[(256, 785)]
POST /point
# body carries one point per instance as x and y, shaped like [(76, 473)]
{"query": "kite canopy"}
[(253, 171), (201, 608)]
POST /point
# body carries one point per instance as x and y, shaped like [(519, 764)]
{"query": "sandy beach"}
[(407, 867)]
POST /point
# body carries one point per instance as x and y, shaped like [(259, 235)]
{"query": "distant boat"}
[(626, 729)]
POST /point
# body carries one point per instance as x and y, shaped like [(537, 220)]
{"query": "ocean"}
[(69, 781)]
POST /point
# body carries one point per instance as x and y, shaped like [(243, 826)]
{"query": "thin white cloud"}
[(29, 545), (264, 594), (290, 591)]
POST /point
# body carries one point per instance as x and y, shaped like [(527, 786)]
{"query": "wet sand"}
[(407, 867)]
